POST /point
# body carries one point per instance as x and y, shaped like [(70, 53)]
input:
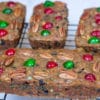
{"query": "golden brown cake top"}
[(12, 15), (88, 33), (55, 67), (49, 21)]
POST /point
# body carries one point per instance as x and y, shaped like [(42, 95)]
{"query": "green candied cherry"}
[(3, 24), (68, 64), (48, 3), (45, 33), (30, 62), (7, 11), (98, 9), (94, 40)]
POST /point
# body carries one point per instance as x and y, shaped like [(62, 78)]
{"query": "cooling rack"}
[(24, 43)]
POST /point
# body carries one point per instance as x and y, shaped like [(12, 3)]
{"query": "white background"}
[(75, 7)]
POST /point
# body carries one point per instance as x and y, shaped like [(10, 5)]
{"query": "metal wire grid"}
[(70, 44)]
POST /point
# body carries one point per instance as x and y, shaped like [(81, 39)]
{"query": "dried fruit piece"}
[(58, 18), (51, 64), (98, 9), (68, 64), (48, 3), (11, 4), (45, 32), (48, 11), (1, 70), (97, 18), (88, 57), (94, 40), (10, 52), (3, 24), (7, 11), (90, 77), (47, 25), (30, 62), (96, 33), (3, 32)]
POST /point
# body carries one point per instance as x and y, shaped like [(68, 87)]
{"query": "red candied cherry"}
[(11, 4), (88, 57), (47, 25), (97, 18), (3, 32), (96, 33), (48, 11), (51, 64), (1, 71), (10, 52), (90, 77), (58, 17)]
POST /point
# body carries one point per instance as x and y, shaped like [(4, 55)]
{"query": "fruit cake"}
[(48, 25), (12, 15), (50, 73), (88, 32)]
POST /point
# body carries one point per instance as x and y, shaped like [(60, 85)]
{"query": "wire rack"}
[(70, 44)]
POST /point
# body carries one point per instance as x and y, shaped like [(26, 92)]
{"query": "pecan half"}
[(35, 19), (63, 56), (62, 32), (18, 12), (9, 61), (40, 75), (96, 67), (70, 75), (46, 55), (35, 27), (80, 29), (18, 73)]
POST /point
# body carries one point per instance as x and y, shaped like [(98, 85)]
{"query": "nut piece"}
[(64, 56), (35, 27), (35, 19), (19, 73), (70, 75), (9, 61), (40, 75), (85, 15), (46, 56), (62, 32), (80, 29), (96, 67), (18, 12)]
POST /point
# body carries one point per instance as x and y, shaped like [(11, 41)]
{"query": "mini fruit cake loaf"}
[(12, 15), (88, 33), (48, 25), (50, 73)]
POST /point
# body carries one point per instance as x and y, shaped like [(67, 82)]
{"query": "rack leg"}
[(5, 96)]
